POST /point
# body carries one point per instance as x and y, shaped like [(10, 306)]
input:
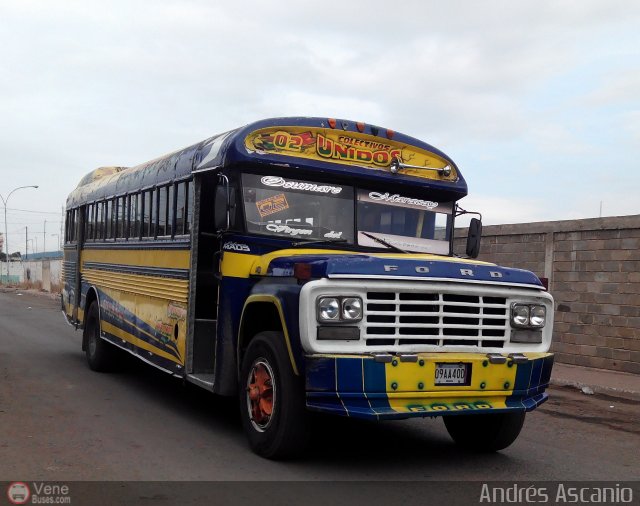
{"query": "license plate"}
[(453, 374)]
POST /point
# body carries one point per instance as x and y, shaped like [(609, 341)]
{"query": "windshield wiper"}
[(383, 242), (316, 241)]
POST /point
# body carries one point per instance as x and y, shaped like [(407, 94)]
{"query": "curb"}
[(619, 393)]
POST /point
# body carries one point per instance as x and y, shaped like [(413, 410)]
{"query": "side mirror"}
[(473, 238)]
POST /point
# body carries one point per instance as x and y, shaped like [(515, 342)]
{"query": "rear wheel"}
[(272, 399), (485, 433), (101, 356)]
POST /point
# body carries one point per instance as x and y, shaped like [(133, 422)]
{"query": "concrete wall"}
[(45, 274), (593, 267)]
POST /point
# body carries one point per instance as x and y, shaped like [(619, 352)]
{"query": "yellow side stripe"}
[(162, 288), (167, 258)]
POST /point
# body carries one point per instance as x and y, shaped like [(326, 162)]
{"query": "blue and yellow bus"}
[(307, 265)]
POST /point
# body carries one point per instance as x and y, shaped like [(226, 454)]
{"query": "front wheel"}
[(272, 399), (485, 433)]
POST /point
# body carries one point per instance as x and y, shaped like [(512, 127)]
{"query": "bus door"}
[(79, 236), (204, 283)]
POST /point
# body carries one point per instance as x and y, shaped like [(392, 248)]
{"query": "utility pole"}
[(6, 238), (26, 241), (44, 237), (61, 225)]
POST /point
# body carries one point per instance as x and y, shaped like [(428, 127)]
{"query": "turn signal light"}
[(302, 272)]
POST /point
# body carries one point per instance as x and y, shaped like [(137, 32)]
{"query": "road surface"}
[(61, 421)]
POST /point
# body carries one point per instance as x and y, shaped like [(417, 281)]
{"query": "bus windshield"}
[(287, 207), (410, 224), (298, 209)]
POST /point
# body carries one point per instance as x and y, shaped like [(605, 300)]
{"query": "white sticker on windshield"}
[(397, 199), (286, 229), (295, 185), (413, 244)]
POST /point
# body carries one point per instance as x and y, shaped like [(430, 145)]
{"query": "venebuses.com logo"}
[(18, 492)]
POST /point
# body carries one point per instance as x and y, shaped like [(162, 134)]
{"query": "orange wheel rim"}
[(261, 394)]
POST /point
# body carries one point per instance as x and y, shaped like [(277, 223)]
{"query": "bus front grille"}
[(412, 318)]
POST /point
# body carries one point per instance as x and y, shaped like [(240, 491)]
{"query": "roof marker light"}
[(390, 134), (360, 126), (332, 122)]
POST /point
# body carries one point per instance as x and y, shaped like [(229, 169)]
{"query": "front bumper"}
[(361, 387)]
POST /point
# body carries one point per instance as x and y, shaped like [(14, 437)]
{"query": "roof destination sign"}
[(350, 148)]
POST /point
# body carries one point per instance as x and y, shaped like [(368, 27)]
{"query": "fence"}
[(43, 274)]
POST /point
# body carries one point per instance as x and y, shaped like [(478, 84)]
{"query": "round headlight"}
[(520, 315), (328, 309), (538, 316), (352, 308)]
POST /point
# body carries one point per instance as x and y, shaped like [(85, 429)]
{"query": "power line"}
[(32, 211), (31, 222)]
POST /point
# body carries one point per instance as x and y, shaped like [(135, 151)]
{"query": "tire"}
[(101, 356), (272, 399), (485, 433)]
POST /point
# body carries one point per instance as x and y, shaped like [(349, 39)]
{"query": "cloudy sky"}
[(538, 102)]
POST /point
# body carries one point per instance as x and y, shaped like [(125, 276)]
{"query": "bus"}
[(307, 265)]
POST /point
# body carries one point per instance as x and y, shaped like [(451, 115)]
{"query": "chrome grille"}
[(435, 319)]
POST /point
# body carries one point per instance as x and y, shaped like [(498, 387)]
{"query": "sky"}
[(537, 102)]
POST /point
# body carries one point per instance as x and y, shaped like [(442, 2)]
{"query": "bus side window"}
[(89, 223), (170, 211), (162, 211), (97, 232), (108, 209), (153, 213), (134, 216), (147, 202), (67, 228), (189, 206), (181, 199), (119, 217)]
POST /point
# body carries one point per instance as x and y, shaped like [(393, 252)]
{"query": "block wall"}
[(593, 267)]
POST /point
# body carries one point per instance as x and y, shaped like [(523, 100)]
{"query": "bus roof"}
[(333, 148)]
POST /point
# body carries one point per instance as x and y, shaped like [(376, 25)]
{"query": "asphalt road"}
[(61, 421)]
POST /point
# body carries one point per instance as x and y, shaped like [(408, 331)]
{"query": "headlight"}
[(328, 309), (538, 316), (528, 315), (339, 309), (352, 308)]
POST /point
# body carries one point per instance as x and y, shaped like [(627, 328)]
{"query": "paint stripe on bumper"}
[(358, 386)]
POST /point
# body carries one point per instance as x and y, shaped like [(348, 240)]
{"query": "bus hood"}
[(343, 265)]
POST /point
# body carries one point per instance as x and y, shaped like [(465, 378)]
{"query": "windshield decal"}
[(272, 205), (397, 199), (278, 181), (286, 229)]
